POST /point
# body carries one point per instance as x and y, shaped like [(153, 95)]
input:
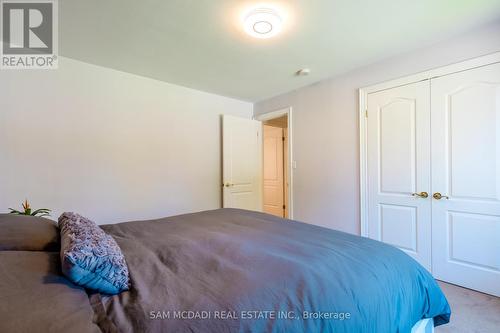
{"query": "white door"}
[(241, 163), (399, 169), (273, 171), (466, 172)]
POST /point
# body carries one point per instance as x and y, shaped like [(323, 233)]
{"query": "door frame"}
[(276, 114), (363, 110)]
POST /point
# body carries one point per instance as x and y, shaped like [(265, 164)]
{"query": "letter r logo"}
[(27, 27)]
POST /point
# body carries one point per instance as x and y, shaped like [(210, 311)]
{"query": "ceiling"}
[(201, 44)]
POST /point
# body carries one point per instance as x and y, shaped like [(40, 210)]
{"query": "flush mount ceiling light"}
[(263, 22)]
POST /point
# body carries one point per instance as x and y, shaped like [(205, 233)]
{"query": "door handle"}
[(439, 196), (421, 194)]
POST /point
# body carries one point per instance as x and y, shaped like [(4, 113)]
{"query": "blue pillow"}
[(90, 257)]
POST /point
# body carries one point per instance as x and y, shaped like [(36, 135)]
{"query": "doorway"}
[(274, 166), (276, 163), (430, 173), (243, 179)]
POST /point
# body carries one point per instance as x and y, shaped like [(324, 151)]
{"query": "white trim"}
[(273, 114), (363, 169), (276, 114), (436, 72), (363, 107)]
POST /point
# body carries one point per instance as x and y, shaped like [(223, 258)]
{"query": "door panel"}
[(471, 137), (466, 168), (398, 226), (464, 227), (273, 171), (398, 166), (242, 160), (397, 146)]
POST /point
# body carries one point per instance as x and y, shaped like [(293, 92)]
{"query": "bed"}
[(229, 270)]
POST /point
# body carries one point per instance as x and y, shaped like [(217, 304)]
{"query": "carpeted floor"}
[(471, 311)]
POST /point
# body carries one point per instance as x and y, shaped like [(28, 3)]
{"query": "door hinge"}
[(283, 138), (284, 207), (366, 113)]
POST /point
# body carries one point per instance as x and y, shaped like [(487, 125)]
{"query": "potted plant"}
[(28, 211)]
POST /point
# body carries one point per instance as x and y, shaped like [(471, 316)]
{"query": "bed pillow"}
[(90, 257), (28, 233)]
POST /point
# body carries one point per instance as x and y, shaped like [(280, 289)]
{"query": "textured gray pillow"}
[(28, 233), (90, 257)]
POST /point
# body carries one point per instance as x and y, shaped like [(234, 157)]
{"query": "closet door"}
[(466, 178), (398, 162)]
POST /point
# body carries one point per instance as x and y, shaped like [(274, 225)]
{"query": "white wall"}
[(109, 145), (326, 134)]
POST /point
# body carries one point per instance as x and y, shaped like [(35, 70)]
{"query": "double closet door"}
[(433, 174)]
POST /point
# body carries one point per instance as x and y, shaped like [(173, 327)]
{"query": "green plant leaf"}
[(13, 211), (28, 210), (42, 212)]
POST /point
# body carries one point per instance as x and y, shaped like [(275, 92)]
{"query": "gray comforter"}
[(238, 271), (36, 297)]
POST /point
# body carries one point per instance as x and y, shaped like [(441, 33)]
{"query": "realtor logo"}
[(29, 34)]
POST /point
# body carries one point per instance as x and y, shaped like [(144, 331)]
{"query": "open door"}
[(241, 163)]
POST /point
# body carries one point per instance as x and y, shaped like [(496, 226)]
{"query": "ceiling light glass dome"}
[(263, 23)]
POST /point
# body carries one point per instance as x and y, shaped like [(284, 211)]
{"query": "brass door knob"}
[(421, 194), (439, 196)]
